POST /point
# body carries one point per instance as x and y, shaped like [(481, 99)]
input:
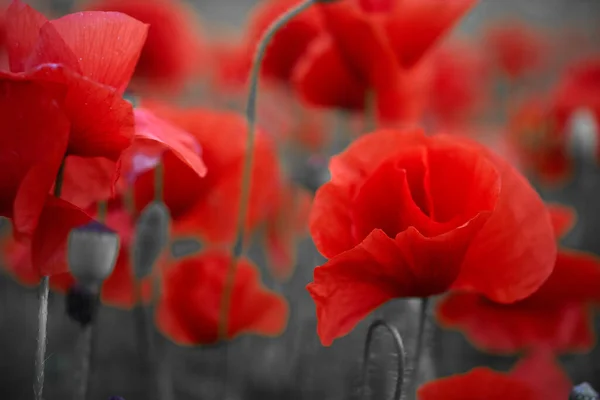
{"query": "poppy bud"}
[(584, 391), (92, 253), (151, 236), (583, 134)]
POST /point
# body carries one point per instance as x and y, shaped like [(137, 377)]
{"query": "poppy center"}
[(376, 6)]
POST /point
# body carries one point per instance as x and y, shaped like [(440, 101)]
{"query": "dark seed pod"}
[(151, 238), (92, 253)]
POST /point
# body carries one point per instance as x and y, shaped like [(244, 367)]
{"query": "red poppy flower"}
[(459, 83), (537, 377), (118, 290), (289, 43), (188, 310), (285, 223), (556, 316), (369, 49), (406, 215), (517, 48), (173, 52), (230, 66), (578, 88), (539, 146), (209, 206), (61, 97)]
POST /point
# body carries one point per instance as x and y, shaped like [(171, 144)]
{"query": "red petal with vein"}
[(519, 234), (563, 218), (88, 180), (23, 24), (416, 25), (149, 129), (49, 242), (323, 79), (102, 123), (188, 311), (351, 285), (107, 44), (32, 147)]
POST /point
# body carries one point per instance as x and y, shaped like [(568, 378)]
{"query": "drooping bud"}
[(151, 238), (92, 253)]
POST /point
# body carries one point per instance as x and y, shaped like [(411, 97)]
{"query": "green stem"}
[(43, 293), (247, 171)]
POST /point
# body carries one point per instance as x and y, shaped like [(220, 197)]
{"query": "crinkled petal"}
[(23, 25)]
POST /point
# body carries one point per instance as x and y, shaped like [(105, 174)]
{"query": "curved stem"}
[(420, 343), (398, 344), (43, 293), (247, 168)]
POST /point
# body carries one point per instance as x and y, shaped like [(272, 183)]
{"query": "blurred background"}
[(295, 365)]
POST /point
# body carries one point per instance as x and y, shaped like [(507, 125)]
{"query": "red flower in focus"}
[(288, 44), (188, 310), (557, 316), (173, 52), (459, 84), (287, 220), (517, 48), (209, 206), (370, 48), (118, 290), (62, 96), (406, 215), (537, 377)]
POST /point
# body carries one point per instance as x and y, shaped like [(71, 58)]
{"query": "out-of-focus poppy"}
[(516, 48), (174, 51), (557, 316), (61, 96), (190, 304), (406, 215), (460, 83), (370, 51), (288, 44), (537, 377), (118, 290), (209, 206), (287, 220), (537, 142)]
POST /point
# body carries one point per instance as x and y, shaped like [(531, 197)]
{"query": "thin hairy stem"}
[(399, 347), (85, 361), (239, 243), (43, 293), (420, 343)]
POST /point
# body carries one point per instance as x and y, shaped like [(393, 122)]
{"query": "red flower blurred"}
[(459, 84), (118, 290), (537, 377), (62, 96), (288, 44), (370, 48), (230, 66), (174, 51), (209, 206), (557, 316), (406, 215), (539, 146), (188, 310), (287, 220), (517, 48)]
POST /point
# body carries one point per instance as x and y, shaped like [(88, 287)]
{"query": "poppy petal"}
[(87, 180), (541, 371), (563, 218), (49, 242), (518, 234), (107, 44), (22, 26), (149, 127), (321, 78)]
